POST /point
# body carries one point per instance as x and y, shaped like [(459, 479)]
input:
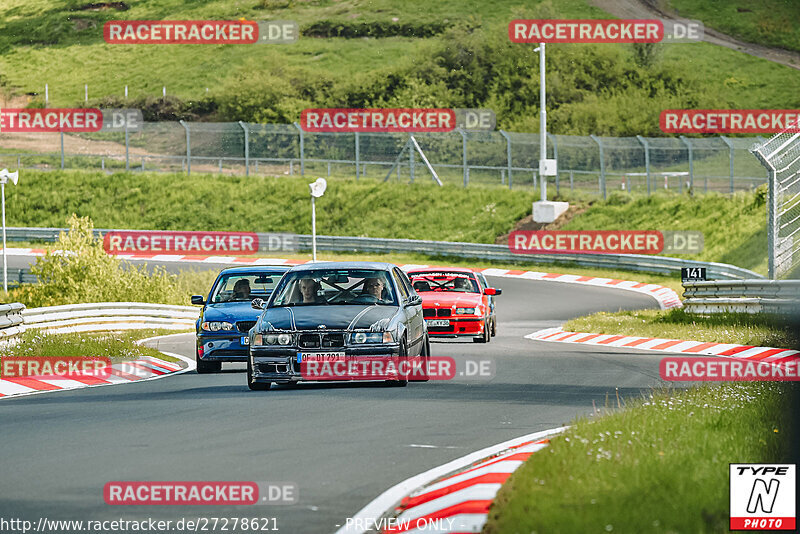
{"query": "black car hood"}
[(333, 317)]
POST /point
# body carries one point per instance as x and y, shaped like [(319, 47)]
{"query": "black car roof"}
[(375, 265)]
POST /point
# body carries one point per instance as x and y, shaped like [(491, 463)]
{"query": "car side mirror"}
[(414, 300), (492, 291), (257, 304), (198, 300)]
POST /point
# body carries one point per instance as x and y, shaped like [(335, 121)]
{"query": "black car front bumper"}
[(280, 364)]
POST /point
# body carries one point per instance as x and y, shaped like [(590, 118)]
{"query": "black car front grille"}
[(245, 326), (443, 312), (433, 312), (326, 341), (428, 312)]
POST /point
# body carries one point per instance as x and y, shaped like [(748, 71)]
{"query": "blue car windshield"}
[(335, 286), (244, 287)]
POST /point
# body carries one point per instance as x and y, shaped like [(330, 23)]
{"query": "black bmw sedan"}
[(339, 321)]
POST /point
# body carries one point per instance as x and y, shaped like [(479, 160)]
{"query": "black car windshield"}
[(444, 281), (244, 287), (335, 286)]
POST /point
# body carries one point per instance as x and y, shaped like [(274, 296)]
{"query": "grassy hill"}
[(405, 53), (766, 22), (734, 226)]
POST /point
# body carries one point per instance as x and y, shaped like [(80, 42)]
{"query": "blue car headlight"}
[(216, 326), (360, 338)]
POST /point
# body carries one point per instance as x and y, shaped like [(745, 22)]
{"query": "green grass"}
[(599, 89), (734, 226), (767, 22), (265, 204), (118, 346), (742, 329), (660, 465)]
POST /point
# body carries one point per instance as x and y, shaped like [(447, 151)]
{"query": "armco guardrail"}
[(11, 322), (98, 316), (743, 296), (628, 262)]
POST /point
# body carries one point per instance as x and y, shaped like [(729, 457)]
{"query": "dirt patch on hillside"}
[(528, 223)]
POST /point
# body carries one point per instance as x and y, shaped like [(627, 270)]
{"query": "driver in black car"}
[(374, 287)]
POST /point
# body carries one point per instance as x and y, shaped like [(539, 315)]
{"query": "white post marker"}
[(543, 210), (317, 190), (4, 177)]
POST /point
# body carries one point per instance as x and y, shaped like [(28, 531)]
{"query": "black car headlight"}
[(273, 339), (359, 338), (216, 326)]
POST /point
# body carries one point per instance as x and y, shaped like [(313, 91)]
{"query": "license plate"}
[(320, 356), (245, 340), (438, 322)]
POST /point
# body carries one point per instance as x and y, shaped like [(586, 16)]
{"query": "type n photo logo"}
[(762, 496)]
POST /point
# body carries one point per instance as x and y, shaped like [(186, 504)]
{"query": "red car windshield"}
[(444, 282)]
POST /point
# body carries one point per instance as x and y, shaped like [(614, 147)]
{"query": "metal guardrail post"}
[(358, 158), (646, 146), (302, 150), (688, 143), (188, 149), (246, 148), (730, 150), (464, 156), (602, 183), (62, 150), (508, 154)]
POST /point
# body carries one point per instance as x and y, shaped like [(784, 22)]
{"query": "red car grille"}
[(432, 312)]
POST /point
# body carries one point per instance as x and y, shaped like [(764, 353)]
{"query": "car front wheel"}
[(251, 383), (204, 367)]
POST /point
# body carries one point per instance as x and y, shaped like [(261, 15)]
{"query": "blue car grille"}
[(245, 326)]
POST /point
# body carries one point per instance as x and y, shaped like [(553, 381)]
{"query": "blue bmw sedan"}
[(227, 316)]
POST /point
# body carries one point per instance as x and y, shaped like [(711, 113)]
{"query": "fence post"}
[(571, 180), (688, 143), (62, 150), (302, 150), (730, 150), (602, 165), (188, 149), (772, 213), (358, 157), (646, 146), (464, 155), (555, 157), (508, 154), (127, 143), (410, 161), (246, 148)]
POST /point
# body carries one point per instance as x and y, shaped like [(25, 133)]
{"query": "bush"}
[(78, 270)]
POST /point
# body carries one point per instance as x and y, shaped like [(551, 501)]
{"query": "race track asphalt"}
[(341, 444)]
